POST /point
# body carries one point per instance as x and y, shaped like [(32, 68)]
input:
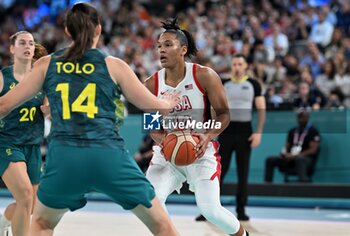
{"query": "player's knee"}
[(216, 215), (43, 223), (25, 198), (210, 212)]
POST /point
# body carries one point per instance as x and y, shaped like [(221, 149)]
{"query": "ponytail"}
[(81, 22), (39, 52), (185, 38)]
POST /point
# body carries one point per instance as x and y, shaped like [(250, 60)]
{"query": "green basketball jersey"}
[(25, 124), (85, 103)]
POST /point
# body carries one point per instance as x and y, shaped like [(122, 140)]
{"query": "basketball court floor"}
[(108, 219)]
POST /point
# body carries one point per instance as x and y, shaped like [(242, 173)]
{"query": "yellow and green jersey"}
[(85, 103), (25, 124)]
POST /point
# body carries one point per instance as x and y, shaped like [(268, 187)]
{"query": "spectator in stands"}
[(343, 16), (314, 91), (335, 43), (313, 58), (306, 99), (300, 151), (325, 81), (335, 99), (342, 80), (278, 41), (321, 32), (298, 31)]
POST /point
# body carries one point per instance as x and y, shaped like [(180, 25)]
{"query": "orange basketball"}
[(179, 148)]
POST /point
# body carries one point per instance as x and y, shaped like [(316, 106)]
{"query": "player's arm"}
[(26, 89), (45, 108), (1, 81), (212, 85), (134, 90), (157, 135)]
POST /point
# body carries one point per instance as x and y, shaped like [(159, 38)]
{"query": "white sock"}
[(4, 222)]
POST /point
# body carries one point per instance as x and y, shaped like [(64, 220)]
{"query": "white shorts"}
[(163, 174)]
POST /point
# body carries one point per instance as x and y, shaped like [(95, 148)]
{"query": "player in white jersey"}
[(200, 88)]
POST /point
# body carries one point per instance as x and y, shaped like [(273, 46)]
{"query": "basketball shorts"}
[(72, 172), (28, 153), (163, 173)]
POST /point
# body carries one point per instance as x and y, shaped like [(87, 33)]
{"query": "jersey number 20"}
[(88, 93)]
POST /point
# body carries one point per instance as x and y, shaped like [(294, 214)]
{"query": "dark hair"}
[(13, 37), (39, 52), (240, 55), (81, 21), (185, 38)]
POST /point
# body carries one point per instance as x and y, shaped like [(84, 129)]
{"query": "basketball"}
[(179, 147)]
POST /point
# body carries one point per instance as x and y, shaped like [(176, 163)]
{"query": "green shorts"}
[(71, 172), (28, 153)]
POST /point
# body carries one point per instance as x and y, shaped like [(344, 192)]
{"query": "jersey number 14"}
[(88, 93)]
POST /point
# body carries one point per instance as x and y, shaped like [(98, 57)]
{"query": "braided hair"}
[(185, 38)]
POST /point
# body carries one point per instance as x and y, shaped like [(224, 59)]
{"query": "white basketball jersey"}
[(195, 104)]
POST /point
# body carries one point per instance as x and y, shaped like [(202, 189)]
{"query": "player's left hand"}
[(202, 144), (255, 139)]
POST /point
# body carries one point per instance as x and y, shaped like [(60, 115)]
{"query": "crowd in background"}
[(299, 50)]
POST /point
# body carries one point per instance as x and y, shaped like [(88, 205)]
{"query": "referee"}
[(242, 93)]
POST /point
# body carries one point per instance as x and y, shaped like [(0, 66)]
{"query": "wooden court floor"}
[(108, 219)]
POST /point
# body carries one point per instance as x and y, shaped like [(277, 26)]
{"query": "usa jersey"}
[(194, 105)]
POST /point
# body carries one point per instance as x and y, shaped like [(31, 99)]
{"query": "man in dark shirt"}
[(300, 151)]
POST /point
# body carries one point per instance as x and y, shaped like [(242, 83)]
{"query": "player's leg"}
[(34, 164), (62, 186), (164, 177), (5, 219), (207, 193), (130, 188), (155, 218), (45, 219), (18, 183)]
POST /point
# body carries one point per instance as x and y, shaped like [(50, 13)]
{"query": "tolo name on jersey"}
[(76, 68)]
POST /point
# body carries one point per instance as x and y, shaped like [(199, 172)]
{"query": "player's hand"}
[(45, 109), (255, 139), (158, 137), (172, 98), (202, 145)]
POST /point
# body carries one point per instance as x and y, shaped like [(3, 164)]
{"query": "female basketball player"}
[(21, 134), (201, 88), (83, 86)]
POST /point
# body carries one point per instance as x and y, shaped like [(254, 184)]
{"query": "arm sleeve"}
[(256, 86)]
